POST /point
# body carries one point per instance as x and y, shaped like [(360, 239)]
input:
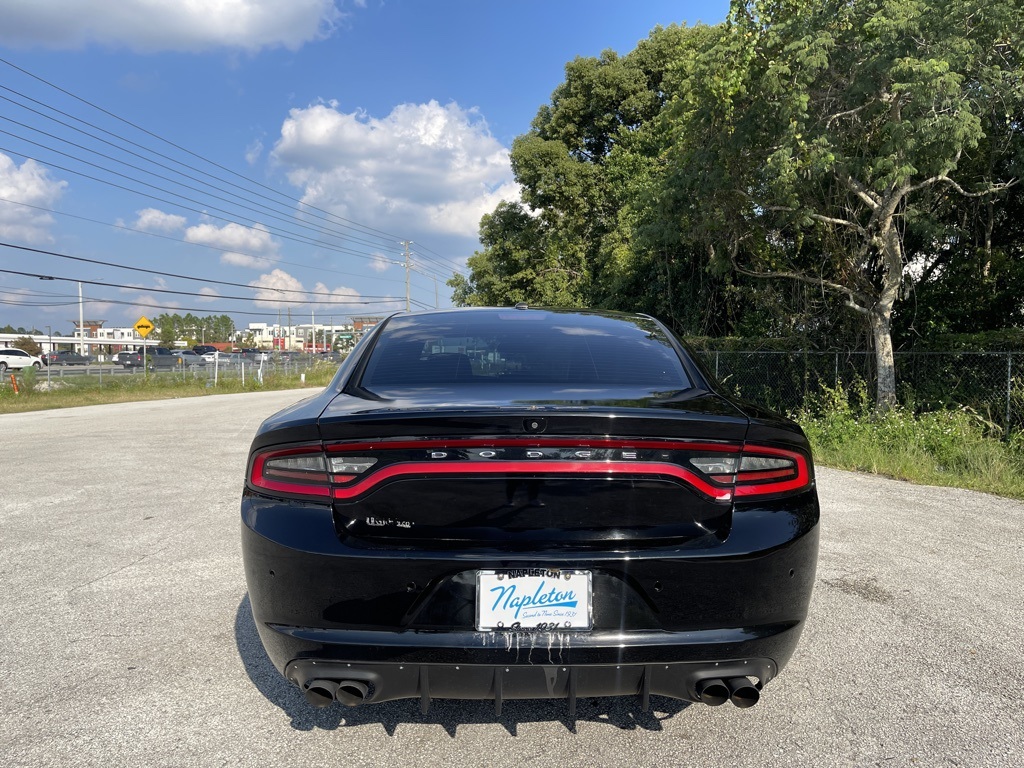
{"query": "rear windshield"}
[(516, 346)]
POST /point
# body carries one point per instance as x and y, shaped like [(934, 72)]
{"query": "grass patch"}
[(954, 448), (78, 390)]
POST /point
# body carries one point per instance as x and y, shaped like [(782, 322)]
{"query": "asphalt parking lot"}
[(127, 640)]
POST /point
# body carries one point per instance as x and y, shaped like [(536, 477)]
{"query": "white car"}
[(10, 357)]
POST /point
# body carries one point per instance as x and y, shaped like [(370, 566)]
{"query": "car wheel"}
[(37, 366), (3, 367)]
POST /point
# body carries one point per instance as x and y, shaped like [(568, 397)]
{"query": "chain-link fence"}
[(991, 383)]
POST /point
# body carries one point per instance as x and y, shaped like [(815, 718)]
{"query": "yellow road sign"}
[(143, 327)]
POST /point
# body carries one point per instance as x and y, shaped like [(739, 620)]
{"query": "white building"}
[(298, 337)]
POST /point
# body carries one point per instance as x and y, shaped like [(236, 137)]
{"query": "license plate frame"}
[(534, 600)]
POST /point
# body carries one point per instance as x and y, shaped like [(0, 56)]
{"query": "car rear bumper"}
[(356, 684), (399, 623)]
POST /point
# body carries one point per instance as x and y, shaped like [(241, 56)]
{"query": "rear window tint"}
[(530, 347)]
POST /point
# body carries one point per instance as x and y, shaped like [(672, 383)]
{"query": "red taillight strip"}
[(542, 442), (462, 468), (802, 479), (257, 478)]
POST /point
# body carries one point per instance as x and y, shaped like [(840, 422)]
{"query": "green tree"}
[(28, 344), (583, 164), (816, 131)]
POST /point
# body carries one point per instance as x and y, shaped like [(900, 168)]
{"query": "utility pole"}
[(81, 319), (408, 268)]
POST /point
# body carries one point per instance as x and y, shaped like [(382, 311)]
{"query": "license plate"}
[(542, 599)]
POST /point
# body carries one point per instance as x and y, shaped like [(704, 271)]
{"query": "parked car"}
[(66, 357), (17, 359), (121, 358), (161, 358), (256, 355), (190, 358), (525, 503), (155, 358), (204, 349)]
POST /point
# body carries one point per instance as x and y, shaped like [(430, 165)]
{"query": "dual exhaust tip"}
[(739, 690), (712, 691), (323, 693)]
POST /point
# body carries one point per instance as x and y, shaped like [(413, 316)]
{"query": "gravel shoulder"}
[(127, 638)]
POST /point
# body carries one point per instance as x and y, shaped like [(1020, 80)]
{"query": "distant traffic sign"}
[(143, 327)]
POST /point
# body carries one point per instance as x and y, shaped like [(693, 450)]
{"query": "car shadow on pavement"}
[(623, 712)]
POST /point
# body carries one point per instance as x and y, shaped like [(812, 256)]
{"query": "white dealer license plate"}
[(533, 599)]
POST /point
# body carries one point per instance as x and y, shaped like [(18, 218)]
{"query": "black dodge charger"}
[(528, 503)]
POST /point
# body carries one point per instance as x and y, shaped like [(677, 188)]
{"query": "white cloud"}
[(243, 246), (169, 25), (340, 294), (380, 263), (244, 260), (280, 290), (208, 294), (253, 152), (154, 220), (233, 237), (424, 168), (271, 289), (29, 183)]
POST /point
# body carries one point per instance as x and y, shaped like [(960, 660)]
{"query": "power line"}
[(207, 310), (159, 273), (354, 224), (262, 257), (362, 227), (335, 302), (339, 233), (284, 234)]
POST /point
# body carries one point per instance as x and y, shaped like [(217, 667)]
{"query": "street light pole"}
[(81, 323), (48, 361)]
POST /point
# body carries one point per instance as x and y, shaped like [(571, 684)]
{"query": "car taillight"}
[(758, 471), (305, 471), (293, 471), (345, 471)]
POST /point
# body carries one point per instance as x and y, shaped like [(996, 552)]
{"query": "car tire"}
[(37, 365), (3, 367)]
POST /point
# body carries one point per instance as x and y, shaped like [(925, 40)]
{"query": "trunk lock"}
[(535, 425)]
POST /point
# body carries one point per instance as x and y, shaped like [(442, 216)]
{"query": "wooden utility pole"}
[(408, 268)]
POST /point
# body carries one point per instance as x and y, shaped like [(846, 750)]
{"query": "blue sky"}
[(299, 141)]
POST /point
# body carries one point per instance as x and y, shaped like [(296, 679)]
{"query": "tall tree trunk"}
[(885, 365), (881, 312)]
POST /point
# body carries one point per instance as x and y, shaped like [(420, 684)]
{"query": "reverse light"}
[(295, 471), (759, 471), (765, 471), (351, 465)]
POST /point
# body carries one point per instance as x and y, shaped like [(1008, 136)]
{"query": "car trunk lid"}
[(617, 472)]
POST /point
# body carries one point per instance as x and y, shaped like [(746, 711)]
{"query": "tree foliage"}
[(825, 168), (193, 329), (28, 344)]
